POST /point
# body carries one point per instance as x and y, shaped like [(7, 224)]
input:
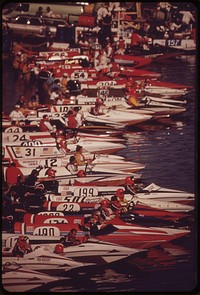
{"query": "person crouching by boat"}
[(61, 142), (70, 120), (80, 158), (45, 125), (72, 166), (118, 203), (21, 247)]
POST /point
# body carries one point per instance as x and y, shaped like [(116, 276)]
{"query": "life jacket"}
[(106, 212), (42, 126), (135, 39), (72, 123), (121, 44), (132, 101)]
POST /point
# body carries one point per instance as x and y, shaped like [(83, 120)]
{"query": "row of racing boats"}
[(154, 215)]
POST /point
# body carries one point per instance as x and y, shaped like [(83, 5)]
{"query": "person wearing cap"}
[(45, 125), (16, 115), (80, 158), (131, 186)]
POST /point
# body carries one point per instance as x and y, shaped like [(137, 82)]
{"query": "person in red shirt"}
[(14, 175), (71, 120), (45, 124)]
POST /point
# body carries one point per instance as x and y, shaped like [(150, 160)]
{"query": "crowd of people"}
[(165, 20)]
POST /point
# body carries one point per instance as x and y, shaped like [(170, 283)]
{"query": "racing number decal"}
[(13, 129), (79, 75), (31, 143), (86, 192), (30, 152), (51, 162), (48, 213), (72, 207), (106, 83), (103, 93), (56, 220), (173, 42), (16, 137), (46, 231)]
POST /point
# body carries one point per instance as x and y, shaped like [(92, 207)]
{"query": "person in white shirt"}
[(16, 114), (101, 13), (103, 63), (72, 166), (81, 98), (54, 94)]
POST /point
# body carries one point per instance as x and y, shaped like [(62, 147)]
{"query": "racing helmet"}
[(62, 143), (129, 180), (59, 248), (51, 172), (59, 133), (104, 203), (21, 239), (120, 193), (81, 173)]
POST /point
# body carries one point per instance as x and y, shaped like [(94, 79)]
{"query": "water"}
[(168, 151)]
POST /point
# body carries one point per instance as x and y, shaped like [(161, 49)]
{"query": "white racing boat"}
[(91, 252), (91, 171), (152, 203), (96, 251), (18, 279), (164, 90), (52, 263), (34, 149), (117, 117), (9, 240), (162, 205), (49, 149), (153, 191)]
